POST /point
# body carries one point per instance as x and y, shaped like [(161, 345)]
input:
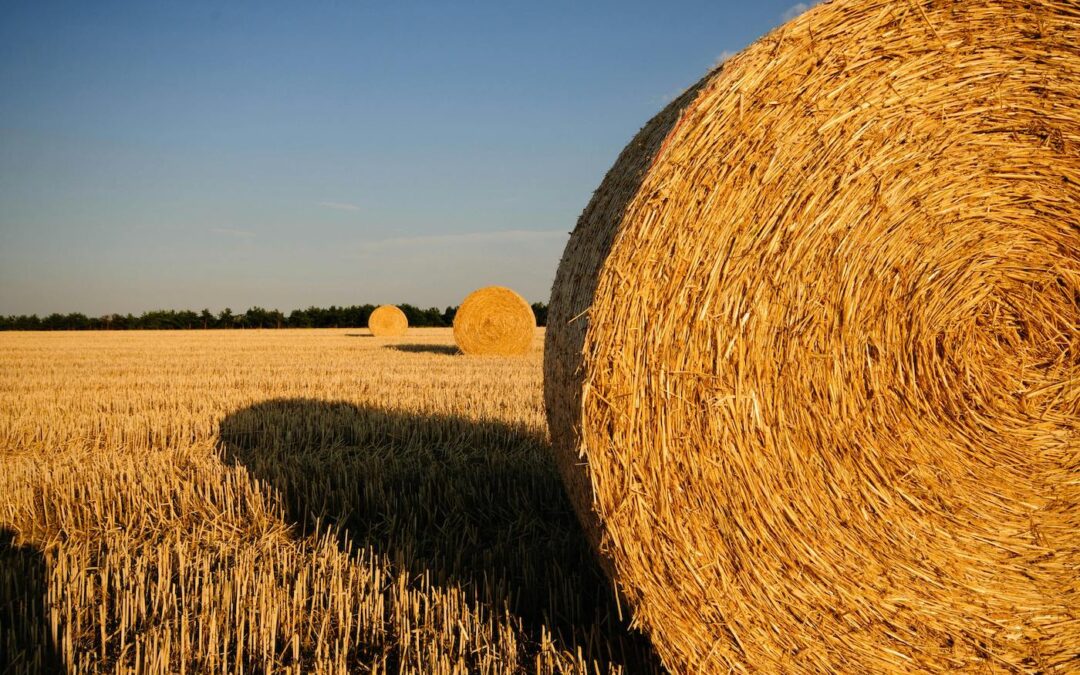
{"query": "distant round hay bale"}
[(496, 321), (812, 366), (388, 321)]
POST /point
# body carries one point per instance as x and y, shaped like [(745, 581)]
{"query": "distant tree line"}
[(354, 316)]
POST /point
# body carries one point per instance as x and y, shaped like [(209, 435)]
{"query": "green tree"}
[(541, 311)]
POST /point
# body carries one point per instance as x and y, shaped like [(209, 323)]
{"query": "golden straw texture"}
[(494, 320), (388, 321), (812, 366)]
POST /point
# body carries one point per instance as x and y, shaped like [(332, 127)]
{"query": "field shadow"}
[(473, 504), (450, 350), (26, 643), (363, 335)]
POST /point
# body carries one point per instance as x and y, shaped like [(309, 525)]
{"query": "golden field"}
[(288, 501)]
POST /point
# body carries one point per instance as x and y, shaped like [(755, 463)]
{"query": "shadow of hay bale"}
[(426, 349), (26, 643), (474, 504)]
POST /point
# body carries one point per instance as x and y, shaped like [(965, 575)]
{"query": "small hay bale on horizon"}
[(812, 366), (494, 321), (388, 321)]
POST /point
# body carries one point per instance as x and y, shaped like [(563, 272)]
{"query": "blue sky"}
[(188, 155)]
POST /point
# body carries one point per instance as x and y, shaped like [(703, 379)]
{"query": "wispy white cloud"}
[(445, 267), (338, 206), (671, 95), (796, 9), (724, 56), (501, 237), (233, 232), (664, 99)]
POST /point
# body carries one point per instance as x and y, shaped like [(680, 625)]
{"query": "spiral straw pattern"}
[(388, 321), (495, 321), (812, 366)]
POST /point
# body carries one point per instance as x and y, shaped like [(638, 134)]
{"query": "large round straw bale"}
[(813, 355), (387, 321), (494, 320)]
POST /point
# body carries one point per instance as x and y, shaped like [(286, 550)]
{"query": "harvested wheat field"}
[(290, 501), (813, 356)]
